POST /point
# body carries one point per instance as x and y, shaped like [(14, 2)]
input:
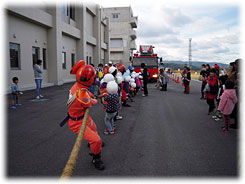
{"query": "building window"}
[(72, 60), (90, 60), (68, 11), (14, 55), (35, 55), (115, 15), (72, 12), (86, 60), (63, 60), (45, 59)]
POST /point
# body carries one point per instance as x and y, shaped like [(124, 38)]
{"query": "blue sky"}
[(214, 26)]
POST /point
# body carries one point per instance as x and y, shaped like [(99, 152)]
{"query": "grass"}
[(194, 74)]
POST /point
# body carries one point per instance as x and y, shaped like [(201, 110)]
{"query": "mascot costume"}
[(79, 99)]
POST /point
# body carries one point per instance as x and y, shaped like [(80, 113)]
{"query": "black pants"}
[(210, 102), (202, 88), (164, 87), (145, 88)]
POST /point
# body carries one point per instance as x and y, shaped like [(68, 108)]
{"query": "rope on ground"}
[(70, 165)]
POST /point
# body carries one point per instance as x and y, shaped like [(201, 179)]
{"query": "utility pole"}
[(190, 53)]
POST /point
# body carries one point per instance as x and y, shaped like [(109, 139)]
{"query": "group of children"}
[(115, 86), (219, 88)]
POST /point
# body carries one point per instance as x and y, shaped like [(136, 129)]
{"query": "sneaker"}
[(13, 107), (218, 119), (106, 132), (144, 95), (112, 132), (214, 117), (41, 96), (119, 117), (18, 104), (38, 97), (225, 130)]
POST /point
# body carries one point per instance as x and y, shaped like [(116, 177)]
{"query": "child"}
[(227, 103), (211, 91), (15, 93), (222, 80), (112, 106), (125, 91)]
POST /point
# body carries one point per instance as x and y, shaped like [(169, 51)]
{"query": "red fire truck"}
[(147, 56)]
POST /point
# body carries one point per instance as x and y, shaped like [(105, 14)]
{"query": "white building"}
[(60, 35), (122, 33)]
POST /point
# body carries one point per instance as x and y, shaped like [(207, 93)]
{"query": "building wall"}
[(121, 42), (28, 35), (46, 27)]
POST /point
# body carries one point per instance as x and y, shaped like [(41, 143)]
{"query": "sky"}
[(214, 26)]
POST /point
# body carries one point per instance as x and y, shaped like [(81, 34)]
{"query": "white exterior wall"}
[(28, 35), (120, 34), (69, 47), (46, 27)]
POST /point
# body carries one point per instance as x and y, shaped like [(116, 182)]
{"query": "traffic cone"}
[(177, 79)]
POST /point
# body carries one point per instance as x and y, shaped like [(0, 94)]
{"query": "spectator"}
[(227, 103), (145, 75), (186, 75), (38, 74), (234, 76), (15, 93), (164, 79), (211, 90), (204, 76), (208, 69)]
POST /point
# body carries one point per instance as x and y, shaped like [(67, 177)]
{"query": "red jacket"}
[(212, 82)]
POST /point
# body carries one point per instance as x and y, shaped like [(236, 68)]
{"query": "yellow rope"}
[(70, 165)]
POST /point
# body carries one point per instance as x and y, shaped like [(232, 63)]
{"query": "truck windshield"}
[(149, 61)]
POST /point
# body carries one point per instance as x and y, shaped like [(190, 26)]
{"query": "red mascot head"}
[(84, 73)]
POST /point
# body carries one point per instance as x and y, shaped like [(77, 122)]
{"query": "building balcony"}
[(133, 34), (116, 49), (133, 45), (134, 22)]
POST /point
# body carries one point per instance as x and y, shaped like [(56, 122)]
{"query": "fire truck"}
[(147, 56)]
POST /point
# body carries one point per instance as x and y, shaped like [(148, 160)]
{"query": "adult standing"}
[(204, 76), (233, 76), (38, 75), (145, 79), (186, 79)]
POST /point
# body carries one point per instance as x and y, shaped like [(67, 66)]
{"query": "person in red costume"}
[(80, 99)]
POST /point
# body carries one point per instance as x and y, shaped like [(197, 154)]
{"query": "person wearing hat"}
[(79, 100), (112, 106)]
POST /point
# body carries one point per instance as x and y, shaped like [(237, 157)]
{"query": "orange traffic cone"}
[(177, 79)]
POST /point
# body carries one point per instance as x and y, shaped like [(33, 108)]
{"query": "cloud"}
[(175, 16)]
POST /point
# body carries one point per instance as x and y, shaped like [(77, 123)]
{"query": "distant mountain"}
[(196, 65)]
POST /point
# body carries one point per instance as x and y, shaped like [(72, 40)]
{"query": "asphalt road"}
[(167, 134)]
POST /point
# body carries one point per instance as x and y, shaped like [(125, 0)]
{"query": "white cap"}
[(132, 80), (112, 69), (110, 62), (133, 85), (119, 79), (108, 77), (127, 78), (106, 64), (112, 87), (119, 73)]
